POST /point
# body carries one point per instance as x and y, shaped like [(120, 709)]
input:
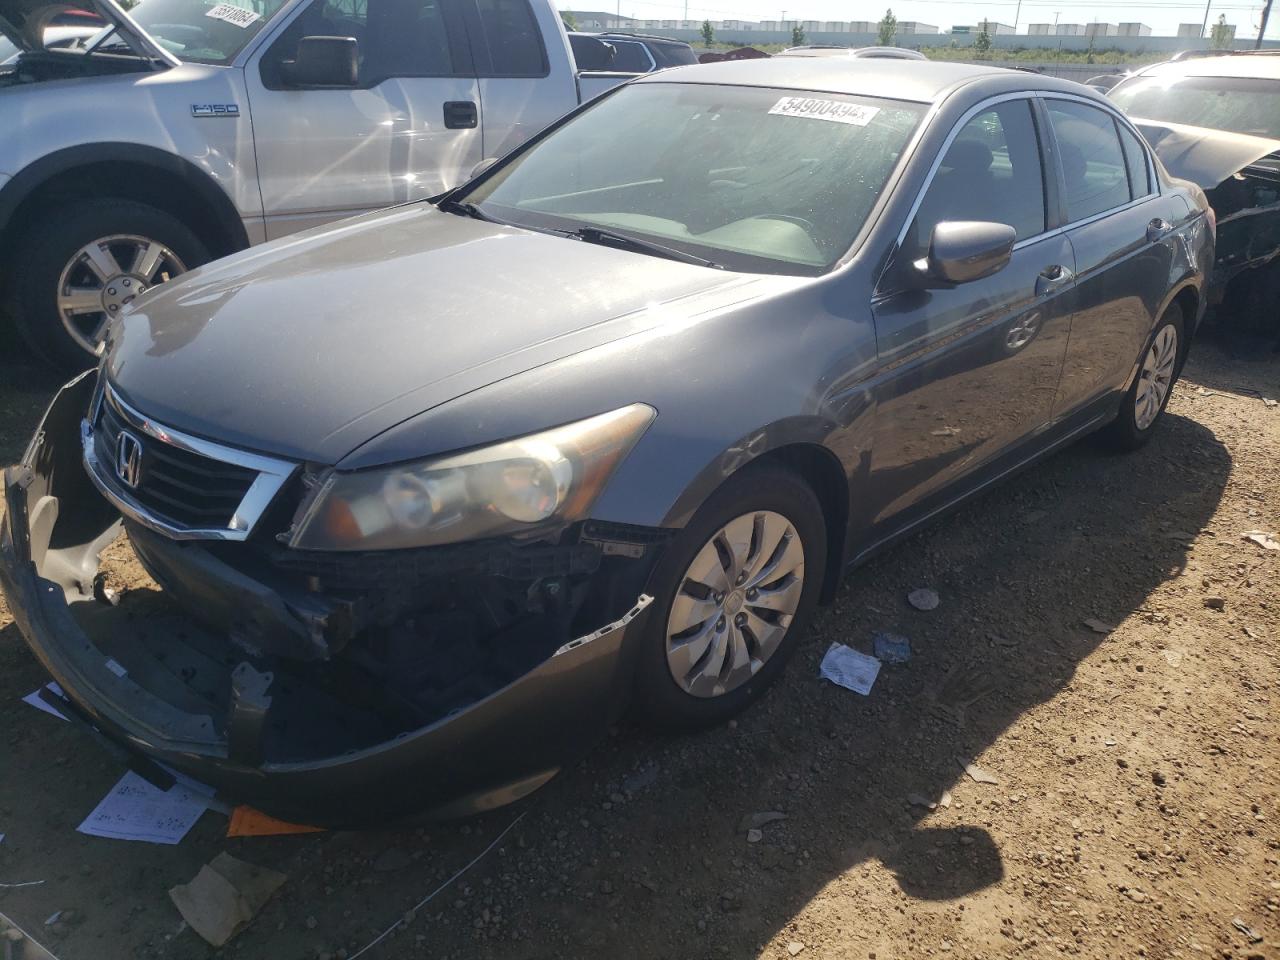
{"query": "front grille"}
[(178, 486)]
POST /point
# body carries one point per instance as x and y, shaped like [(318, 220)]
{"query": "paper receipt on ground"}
[(815, 108), (849, 668)]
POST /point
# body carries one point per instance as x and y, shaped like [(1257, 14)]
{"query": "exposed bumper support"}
[(498, 748)]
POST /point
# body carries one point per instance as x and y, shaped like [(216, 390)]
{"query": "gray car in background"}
[(433, 495)]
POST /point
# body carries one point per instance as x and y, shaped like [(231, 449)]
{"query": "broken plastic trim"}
[(643, 601)]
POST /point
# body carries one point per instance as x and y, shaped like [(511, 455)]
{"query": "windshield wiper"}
[(609, 238), (465, 208)]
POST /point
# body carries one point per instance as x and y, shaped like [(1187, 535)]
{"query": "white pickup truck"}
[(188, 129)]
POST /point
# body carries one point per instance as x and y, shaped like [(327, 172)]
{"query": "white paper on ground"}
[(135, 810), (848, 668), (33, 699)]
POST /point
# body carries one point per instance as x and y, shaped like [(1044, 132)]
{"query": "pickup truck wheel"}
[(734, 590), (84, 264)]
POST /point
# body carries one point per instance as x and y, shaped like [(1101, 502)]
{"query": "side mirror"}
[(482, 166), (592, 53), (323, 62), (964, 250)]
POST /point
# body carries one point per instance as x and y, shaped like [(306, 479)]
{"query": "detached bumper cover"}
[(497, 749)]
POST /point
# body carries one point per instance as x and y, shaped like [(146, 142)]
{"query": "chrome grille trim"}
[(271, 474)]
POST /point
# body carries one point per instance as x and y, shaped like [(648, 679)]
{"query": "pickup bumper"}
[(255, 727)]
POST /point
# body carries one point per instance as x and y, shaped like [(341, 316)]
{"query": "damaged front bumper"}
[(357, 725)]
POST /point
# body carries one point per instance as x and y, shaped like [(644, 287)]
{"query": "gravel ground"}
[(1137, 781)]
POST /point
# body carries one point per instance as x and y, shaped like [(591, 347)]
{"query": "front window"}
[(1238, 104), (753, 179), (205, 31)]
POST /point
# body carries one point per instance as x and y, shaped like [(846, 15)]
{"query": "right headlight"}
[(509, 488)]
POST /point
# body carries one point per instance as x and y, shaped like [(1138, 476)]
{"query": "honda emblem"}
[(128, 459)]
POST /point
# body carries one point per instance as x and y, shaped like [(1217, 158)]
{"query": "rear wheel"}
[(84, 264), (1144, 404), (735, 591)]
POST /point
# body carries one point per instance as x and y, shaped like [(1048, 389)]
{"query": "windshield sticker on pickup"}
[(836, 111), (229, 13)]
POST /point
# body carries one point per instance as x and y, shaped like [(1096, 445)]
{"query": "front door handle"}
[(460, 115), (1158, 229), (1053, 278)]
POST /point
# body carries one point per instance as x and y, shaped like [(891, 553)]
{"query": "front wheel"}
[(1144, 404), (735, 591), (84, 264)]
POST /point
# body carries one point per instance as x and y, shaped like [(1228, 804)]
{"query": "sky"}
[(1163, 16)]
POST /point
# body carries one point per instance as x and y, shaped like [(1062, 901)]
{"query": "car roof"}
[(921, 81), (1246, 65)]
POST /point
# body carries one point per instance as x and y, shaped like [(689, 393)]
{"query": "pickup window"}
[(510, 42), (396, 38)]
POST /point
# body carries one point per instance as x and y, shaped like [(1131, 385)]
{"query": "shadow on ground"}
[(639, 851)]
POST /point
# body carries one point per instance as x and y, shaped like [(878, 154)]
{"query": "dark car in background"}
[(1217, 115), (628, 52), (597, 429)]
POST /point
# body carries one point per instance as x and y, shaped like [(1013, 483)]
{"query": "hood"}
[(309, 346), (24, 23), (1205, 157)]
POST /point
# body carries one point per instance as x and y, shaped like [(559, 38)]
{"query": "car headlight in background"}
[(514, 487)]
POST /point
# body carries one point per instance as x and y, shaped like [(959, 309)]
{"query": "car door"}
[(970, 370), (1120, 228), (525, 82), (410, 128)]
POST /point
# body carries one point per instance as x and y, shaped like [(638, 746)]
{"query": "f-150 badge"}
[(215, 110)]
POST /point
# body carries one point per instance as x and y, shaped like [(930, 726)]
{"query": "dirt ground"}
[(1136, 810)]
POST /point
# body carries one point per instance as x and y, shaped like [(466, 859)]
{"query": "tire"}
[(48, 264), (765, 496), (1136, 423)]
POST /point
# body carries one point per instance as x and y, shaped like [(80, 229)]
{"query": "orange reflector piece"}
[(248, 822)]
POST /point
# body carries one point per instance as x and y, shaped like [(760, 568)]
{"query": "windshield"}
[(201, 31), (754, 179), (1237, 104)]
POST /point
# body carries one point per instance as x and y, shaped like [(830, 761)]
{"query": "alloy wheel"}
[(735, 603), (105, 276), (1156, 378)]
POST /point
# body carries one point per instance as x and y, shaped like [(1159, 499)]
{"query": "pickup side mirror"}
[(964, 250), (323, 62)]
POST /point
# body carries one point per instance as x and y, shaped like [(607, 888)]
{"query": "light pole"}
[(1266, 15), (1205, 26), (1016, 14)]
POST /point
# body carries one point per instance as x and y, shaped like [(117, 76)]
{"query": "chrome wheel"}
[(104, 277), (1023, 331), (1156, 378), (735, 603)]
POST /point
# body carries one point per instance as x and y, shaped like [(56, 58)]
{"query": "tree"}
[(888, 28), (570, 21), (1221, 36), (982, 43), (708, 34), (797, 36)]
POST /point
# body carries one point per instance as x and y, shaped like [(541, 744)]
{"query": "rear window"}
[(1238, 104)]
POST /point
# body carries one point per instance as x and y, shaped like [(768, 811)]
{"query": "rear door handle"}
[(1158, 229), (460, 115), (1052, 278)]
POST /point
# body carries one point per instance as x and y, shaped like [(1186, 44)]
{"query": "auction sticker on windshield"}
[(229, 13), (814, 108)]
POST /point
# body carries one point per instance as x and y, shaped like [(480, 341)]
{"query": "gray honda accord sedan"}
[(429, 497)]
